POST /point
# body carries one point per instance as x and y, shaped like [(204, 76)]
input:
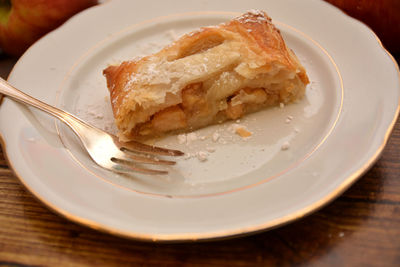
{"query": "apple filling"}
[(197, 110)]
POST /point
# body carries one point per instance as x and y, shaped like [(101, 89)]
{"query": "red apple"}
[(22, 22)]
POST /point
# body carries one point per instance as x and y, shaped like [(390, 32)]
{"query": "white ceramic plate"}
[(336, 132)]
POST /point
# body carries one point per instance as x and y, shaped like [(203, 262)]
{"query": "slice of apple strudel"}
[(205, 77)]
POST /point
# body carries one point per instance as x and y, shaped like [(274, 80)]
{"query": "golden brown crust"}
[(247, 52)]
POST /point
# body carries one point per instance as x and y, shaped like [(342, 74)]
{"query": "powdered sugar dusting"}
[(224, 134), (99, 114), (191, 137), (171, 35), (253, 16), (182, 138)]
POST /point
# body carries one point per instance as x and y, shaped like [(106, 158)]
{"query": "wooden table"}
[(360, 228)]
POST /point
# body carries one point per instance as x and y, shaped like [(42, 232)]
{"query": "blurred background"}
[(382, 16)]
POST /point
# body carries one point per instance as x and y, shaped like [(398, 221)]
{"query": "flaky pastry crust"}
[(207, 76)]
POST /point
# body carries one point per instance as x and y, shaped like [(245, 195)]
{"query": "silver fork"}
[(105, 149)]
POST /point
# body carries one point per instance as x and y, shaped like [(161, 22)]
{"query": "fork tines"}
[(134, 146)]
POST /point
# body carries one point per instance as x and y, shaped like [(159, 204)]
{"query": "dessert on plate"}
[(207, 76)]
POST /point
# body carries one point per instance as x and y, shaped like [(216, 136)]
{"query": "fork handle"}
[(12, 92)]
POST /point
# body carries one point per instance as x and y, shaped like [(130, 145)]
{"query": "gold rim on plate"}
[(222, 234)]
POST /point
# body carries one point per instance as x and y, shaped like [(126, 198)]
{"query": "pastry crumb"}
[(190, 137), (202, 155), (289, 119), (240, 130), (215, 136), (223, 135), (222, 141), (210, 149), (285, 146), (181, 138), (243, 132), (188, 156)]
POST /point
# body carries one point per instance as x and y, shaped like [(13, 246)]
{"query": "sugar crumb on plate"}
[(285, 146)]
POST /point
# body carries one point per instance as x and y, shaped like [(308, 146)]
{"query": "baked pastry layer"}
[(207, 76)]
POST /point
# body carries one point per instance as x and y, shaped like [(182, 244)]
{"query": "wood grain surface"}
[(360, 228)]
